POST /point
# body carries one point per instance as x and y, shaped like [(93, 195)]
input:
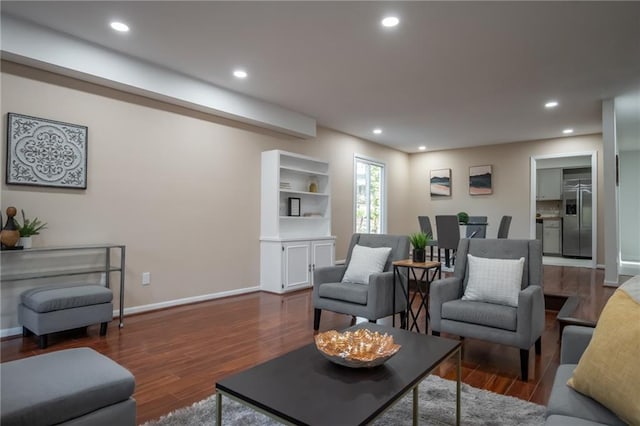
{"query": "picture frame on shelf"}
[(480, 180), (42, 152), (293, 206), (440, 183)]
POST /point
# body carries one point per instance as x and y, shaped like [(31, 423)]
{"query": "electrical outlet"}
[(146, 278)]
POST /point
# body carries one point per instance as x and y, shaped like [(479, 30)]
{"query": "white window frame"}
[(383, 190)]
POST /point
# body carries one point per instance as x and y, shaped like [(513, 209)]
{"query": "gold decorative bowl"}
[(356, 349)]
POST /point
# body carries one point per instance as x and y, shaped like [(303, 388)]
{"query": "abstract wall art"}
[(440, 183), (43, 152), (480, 180)]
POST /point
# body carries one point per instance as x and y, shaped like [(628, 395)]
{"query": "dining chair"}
[(503, 230), (448, 236), (425, 226), (477, 231)]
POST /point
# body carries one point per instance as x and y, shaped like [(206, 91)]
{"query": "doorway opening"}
[(548, 205)]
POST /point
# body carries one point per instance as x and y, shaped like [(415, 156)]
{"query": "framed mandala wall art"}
[(43, 152)]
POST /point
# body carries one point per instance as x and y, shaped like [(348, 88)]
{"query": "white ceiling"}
[(452, 74)]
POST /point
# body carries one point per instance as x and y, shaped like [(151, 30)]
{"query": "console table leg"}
[(459, 368), (218, 408), (415, 405)]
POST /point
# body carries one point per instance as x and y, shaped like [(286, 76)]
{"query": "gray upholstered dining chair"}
[(476, 231), (448, 236), (503, 229), (425, 226), (371, 300), (520, 326)]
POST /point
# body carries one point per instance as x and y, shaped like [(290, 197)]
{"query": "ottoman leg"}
[(26, 332), (103, 328), (43, 341)]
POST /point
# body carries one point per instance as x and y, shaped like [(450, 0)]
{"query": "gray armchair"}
[(371, 301), (519, 326)]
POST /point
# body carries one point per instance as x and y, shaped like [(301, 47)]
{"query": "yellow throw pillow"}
[(609, 370)]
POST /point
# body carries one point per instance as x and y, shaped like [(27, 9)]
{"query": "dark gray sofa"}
[(566, 406)]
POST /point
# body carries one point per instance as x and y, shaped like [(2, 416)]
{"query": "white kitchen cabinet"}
[(549, 184), (294, 238), (287, 265), (552, 237)]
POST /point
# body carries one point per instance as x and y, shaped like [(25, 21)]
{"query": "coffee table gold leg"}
[(218, 408), (458, 387), (415, 406)]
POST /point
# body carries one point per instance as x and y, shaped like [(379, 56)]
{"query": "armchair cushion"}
[(364, 262), (348, 292), (488, 314), (608, 370), (494, 280)]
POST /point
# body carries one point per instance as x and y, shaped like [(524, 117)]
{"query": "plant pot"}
[(419, 255), (25, 242)]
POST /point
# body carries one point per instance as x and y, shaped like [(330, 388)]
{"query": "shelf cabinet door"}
[(322, 253), (296, 264)]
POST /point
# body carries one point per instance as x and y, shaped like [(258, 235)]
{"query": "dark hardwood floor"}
[(177, 354)]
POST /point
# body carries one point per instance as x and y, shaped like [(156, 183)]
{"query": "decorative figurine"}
[(10, 234)]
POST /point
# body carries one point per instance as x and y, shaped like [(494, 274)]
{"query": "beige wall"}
[(180, 188), (511, 182)]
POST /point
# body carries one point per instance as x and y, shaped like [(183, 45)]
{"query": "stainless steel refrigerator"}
[(577, 213)]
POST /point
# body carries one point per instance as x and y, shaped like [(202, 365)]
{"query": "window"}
[(369, 196)]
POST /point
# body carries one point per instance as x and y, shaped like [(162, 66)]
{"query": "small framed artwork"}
[(480, 180), (294, 206), (440, 183), (43, 152)]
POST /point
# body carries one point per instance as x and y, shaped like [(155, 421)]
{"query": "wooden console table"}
[(107, 268)]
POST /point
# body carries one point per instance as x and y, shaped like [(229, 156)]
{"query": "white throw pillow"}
[(494, 280), (364, 262)]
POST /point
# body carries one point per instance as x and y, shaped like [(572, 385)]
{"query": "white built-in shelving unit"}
[(292, 246)]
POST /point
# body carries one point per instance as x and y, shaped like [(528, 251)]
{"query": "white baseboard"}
[(611, 284), (599, 266), (629, 268), (6, 332), (155, 306)]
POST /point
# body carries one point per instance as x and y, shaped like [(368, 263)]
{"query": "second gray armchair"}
[(373, 300)]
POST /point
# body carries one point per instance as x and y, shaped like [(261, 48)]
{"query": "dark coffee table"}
[(304, 388)]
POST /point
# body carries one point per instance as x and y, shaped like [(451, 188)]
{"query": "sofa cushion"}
[(494, 280), (364, 262), (47, 299), (51, 388), (608, 370), (488, 314), (565, 401), (349, 292)]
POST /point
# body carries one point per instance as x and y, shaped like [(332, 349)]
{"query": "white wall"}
[(629, 206)]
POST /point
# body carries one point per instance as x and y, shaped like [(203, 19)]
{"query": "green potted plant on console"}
[(28, 229), (463, 218), (419, 241)]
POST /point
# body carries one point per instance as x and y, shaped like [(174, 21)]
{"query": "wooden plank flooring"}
[(177, 354)]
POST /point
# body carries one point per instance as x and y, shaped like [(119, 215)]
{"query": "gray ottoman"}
[(47, 310), (72, 387)]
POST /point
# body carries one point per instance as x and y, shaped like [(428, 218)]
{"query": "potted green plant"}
[(28, 229), (419, 241), (463, 217)]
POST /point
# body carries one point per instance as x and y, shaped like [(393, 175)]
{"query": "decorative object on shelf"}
[(419, 242), (313, 184), (356, 349), (480, 180), (294, 206), (440, 183), (43, 152), (463, 217), (10, 234), (28, 229)]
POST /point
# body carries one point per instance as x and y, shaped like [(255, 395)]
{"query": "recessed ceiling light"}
[(422, 148), (240, 74), (567, 131), (551, 104), (119, 26), (390, 21), (377, 131)]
